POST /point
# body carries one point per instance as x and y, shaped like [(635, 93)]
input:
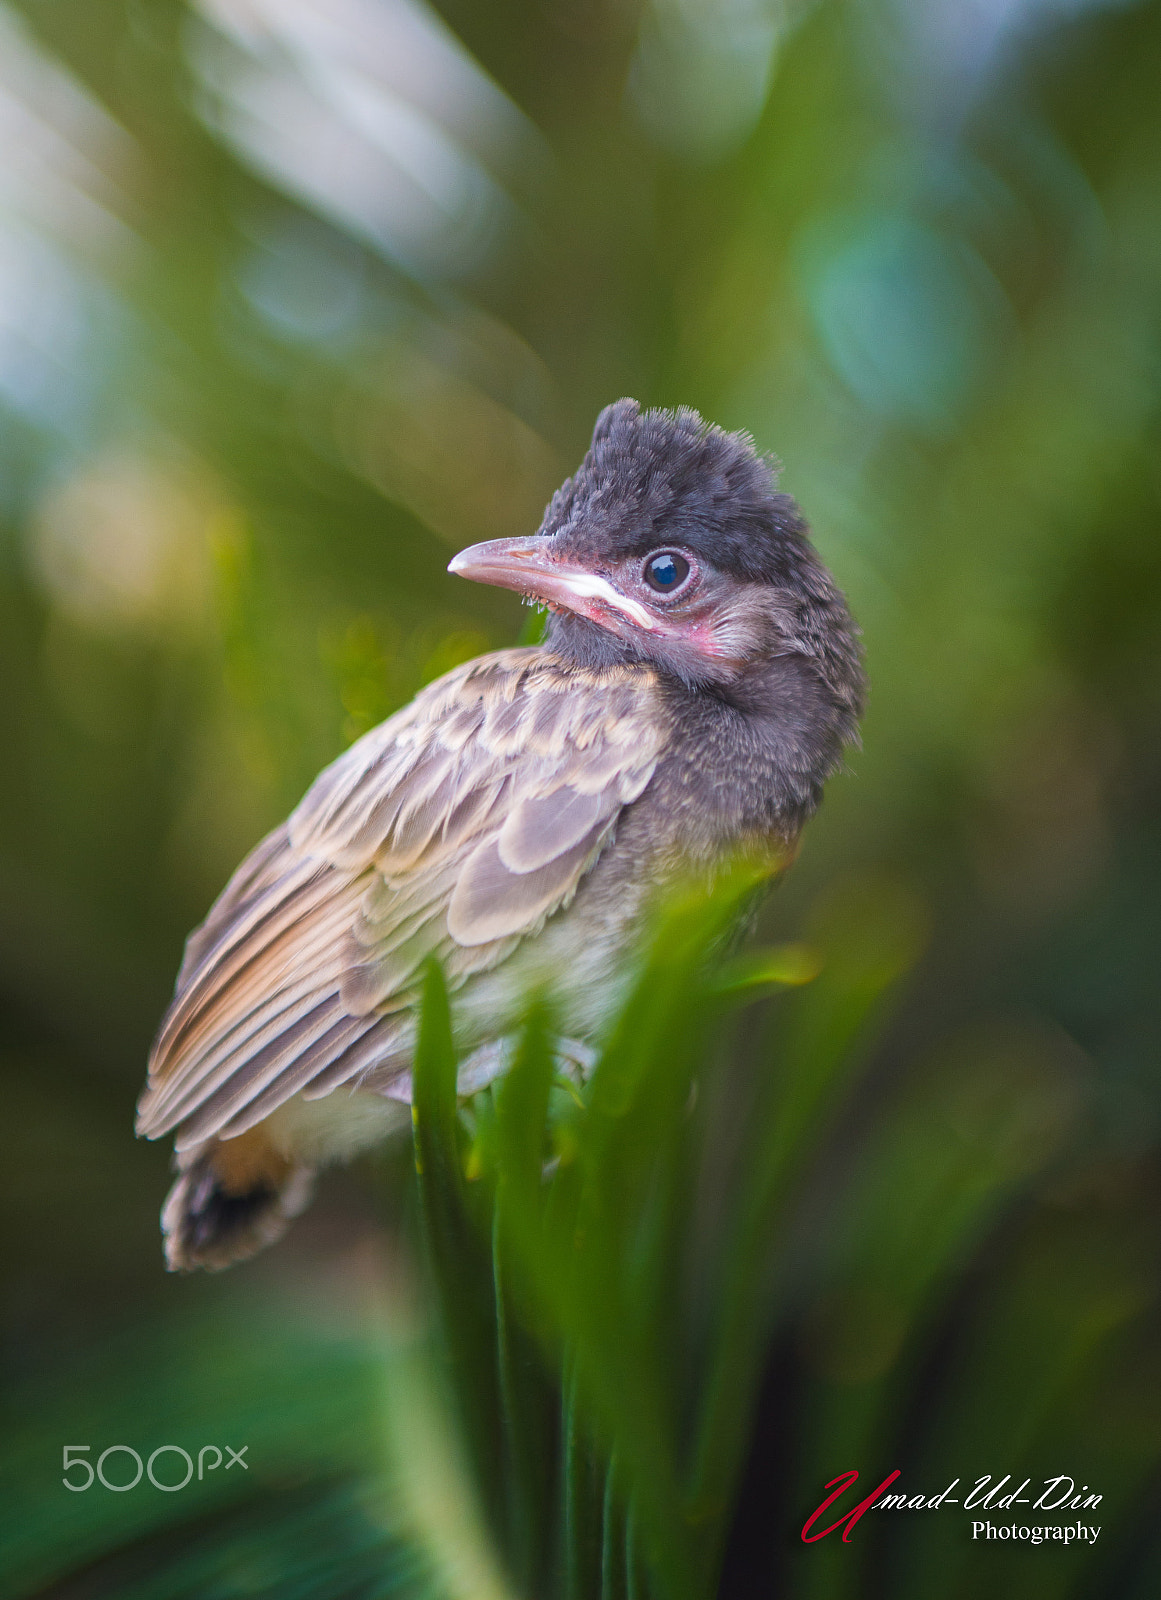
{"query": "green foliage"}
[(619, 1438), (568, 1384), (557, 1398)]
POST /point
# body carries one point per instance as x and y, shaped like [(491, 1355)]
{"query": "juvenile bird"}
[(698, 682)]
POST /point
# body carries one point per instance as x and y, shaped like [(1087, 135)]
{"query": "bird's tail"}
[(231, 1199)]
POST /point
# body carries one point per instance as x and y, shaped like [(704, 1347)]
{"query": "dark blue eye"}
[(666, 571)]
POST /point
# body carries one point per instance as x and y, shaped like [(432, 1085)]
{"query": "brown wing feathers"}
[(455, 828)]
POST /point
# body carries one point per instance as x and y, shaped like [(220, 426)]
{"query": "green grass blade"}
[(612, 1537), (458, 1260), (580, 1510), (436, 1484)]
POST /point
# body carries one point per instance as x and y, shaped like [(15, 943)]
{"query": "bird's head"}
[(671, 545)]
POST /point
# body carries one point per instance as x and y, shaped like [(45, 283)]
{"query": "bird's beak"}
[(529, 567)]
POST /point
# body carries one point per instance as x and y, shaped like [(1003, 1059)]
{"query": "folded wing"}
[(455, 829)]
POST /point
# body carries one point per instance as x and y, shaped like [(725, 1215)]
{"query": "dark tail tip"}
[(211, 1225)]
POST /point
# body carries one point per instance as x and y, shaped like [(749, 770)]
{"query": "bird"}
[(699, 680)]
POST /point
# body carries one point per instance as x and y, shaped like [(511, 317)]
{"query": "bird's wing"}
[(454, 829)]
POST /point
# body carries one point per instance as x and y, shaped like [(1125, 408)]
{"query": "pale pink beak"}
[(527, 566)]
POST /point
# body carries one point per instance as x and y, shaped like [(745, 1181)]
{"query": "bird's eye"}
[(666, 571)]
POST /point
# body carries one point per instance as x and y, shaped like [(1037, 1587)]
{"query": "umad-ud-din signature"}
[(987, 1493)]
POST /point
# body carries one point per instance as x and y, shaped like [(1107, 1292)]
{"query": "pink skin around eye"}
[(703, 638)]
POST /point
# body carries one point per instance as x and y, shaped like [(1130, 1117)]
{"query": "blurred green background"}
[(298, 297)]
